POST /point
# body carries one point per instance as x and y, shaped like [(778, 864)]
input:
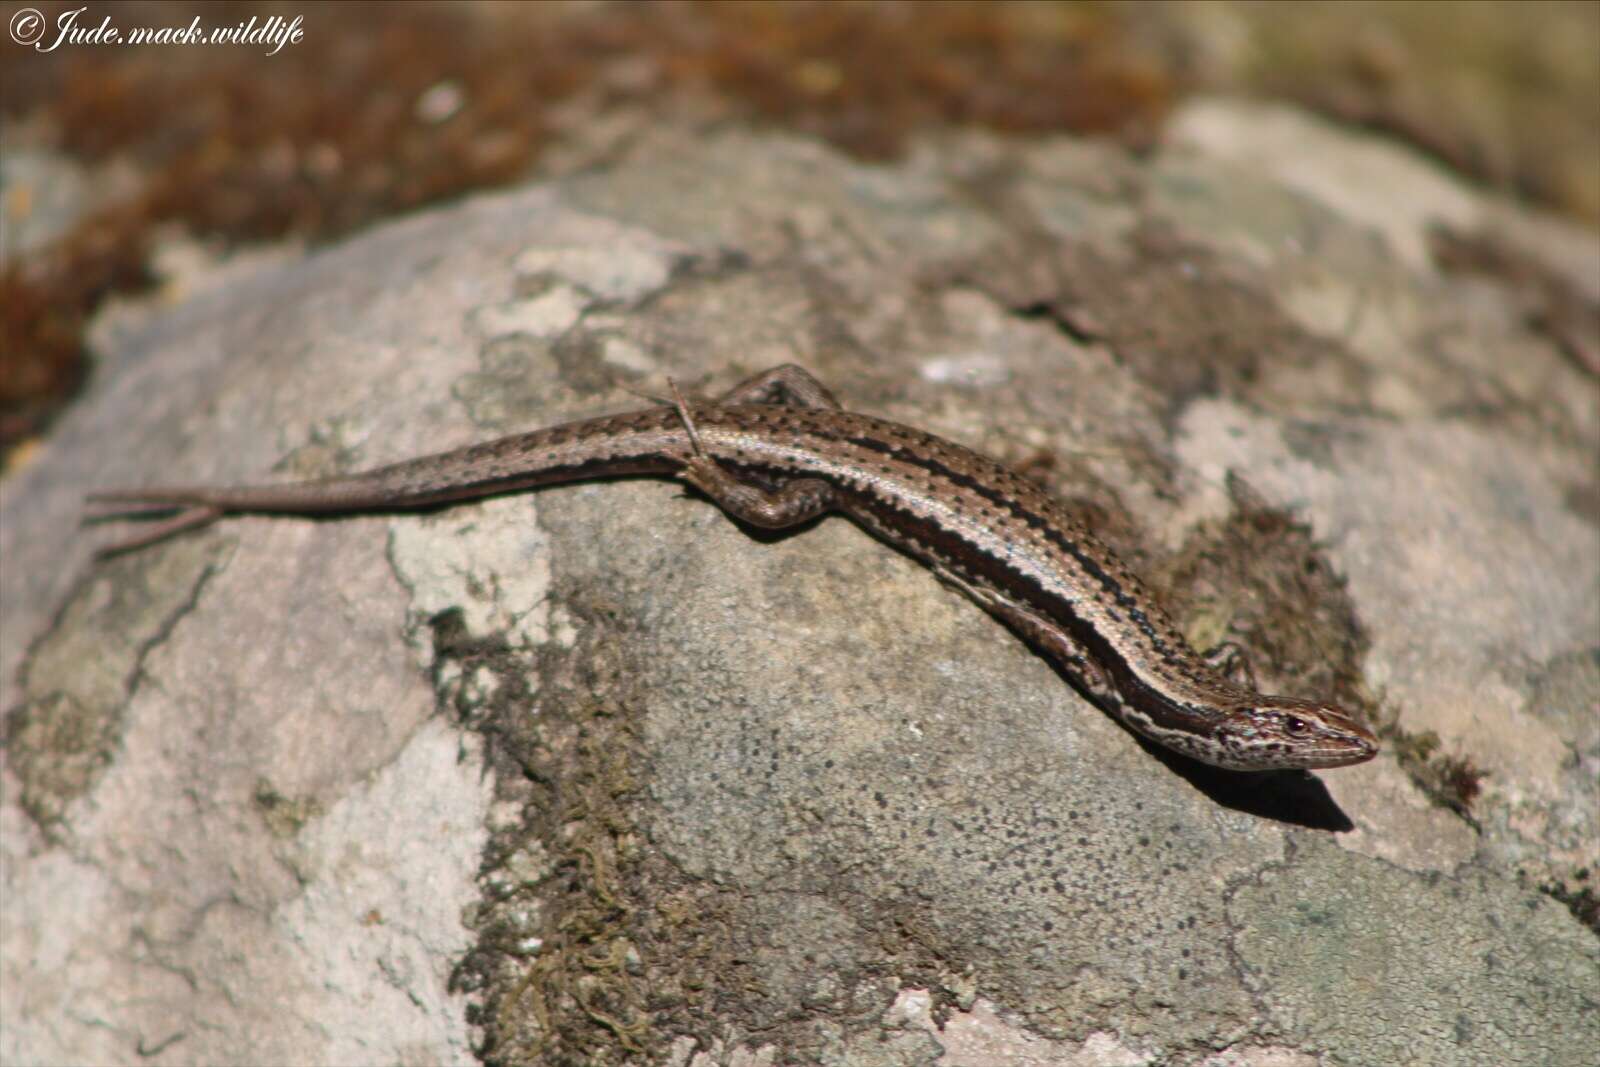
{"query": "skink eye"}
[(1296, 726)]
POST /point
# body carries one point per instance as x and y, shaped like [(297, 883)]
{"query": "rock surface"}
[(592, 774)]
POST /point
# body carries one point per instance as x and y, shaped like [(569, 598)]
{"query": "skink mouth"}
[(1358, 746), (1344, 756)]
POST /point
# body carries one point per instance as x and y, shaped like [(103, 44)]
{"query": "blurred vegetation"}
[(384, 108)]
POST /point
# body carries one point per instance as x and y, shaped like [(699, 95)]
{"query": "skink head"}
[(1274, 733)]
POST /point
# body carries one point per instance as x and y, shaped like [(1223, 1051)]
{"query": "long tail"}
[(198, 506), (634, 443)]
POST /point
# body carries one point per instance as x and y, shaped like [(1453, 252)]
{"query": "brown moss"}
[(554, 976), (1577, 893), (45, 305), (865, 76), (1258, 578), (1451, 781)]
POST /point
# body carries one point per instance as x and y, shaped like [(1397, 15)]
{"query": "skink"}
[(778, 450)]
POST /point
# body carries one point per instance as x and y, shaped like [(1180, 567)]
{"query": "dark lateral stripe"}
[(911, 529), (908, 532), (1051, 531)]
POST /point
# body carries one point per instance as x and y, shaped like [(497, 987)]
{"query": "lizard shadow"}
[(1295, 797), (1298, 798)]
